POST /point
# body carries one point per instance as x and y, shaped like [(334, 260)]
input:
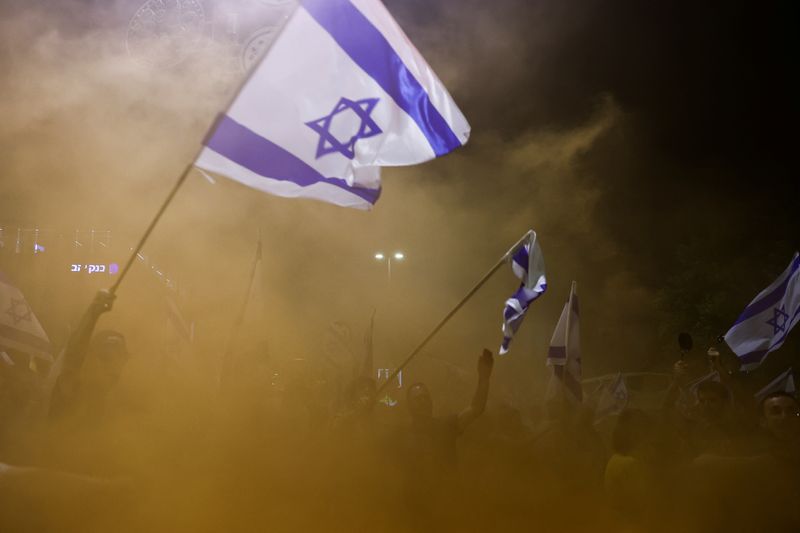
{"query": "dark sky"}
[(709, 98)]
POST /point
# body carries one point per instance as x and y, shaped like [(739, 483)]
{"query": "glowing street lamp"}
[(397, 256)]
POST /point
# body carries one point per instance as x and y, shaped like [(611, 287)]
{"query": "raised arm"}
[(476, 408), (66, 382)]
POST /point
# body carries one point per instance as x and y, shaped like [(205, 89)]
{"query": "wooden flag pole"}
[(455, 309)]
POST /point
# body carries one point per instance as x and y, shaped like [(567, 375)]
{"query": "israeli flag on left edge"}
[(19, 327), (528, 265), (766, 321), (341, 93)]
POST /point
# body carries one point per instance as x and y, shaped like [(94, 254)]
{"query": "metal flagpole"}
[(153, 223), (455, 309)]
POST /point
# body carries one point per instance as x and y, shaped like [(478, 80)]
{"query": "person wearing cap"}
[(89, 367)]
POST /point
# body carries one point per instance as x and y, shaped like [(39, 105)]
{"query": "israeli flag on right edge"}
[(528, 265), (341, 93), (763, 325)]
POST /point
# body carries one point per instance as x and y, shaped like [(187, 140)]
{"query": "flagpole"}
[(152, 225), (227, 358), (455, 309), (248, 76)]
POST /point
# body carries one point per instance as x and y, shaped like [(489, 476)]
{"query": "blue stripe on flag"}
[(368, 48), (770, 299), (557, 352), (257, 154), (753, 357)]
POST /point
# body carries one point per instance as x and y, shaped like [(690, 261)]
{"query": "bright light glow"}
[(399, 256), (379, 256)]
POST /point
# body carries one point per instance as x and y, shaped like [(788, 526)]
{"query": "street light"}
[(397, 256)]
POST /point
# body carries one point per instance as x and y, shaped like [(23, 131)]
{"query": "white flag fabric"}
[(19, 327), (783, 383), (766, 321), (527, 264), (340, 93), (564, 354)]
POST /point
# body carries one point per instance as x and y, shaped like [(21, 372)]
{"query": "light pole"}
[(397, 256)]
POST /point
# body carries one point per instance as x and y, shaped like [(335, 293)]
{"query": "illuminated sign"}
[(111, 268)]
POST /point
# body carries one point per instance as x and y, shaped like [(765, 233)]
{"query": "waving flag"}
[(783, 383), (764, 324), (528, 265), (613, 399), (19, 327), (341, 93), (564, 354)]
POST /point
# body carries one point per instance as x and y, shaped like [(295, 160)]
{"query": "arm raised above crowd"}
[(476, 408)]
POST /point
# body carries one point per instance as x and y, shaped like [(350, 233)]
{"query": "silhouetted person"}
[(90, 367), (632, 476), (430, 457), (359, 404), (713, 427), (780, 419)]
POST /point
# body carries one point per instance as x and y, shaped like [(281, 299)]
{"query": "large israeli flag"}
[(764, 324), (341, 93)]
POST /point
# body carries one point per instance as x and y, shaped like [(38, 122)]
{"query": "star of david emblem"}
[(329, 143), (19, 311), (778, 321)]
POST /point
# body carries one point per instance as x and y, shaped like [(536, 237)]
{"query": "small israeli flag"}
[(613, 398), (782, 383), (528, 265), (564, 353), (341, 93), (764, 324)]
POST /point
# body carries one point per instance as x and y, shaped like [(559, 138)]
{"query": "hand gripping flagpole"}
[(506, 257)]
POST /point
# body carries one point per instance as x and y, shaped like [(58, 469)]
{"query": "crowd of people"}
[(78, 455)]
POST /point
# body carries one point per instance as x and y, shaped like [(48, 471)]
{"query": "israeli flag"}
[(613, 398), (783, 383), (528, 265), (341, 93), (564, 353), (764, 324)]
